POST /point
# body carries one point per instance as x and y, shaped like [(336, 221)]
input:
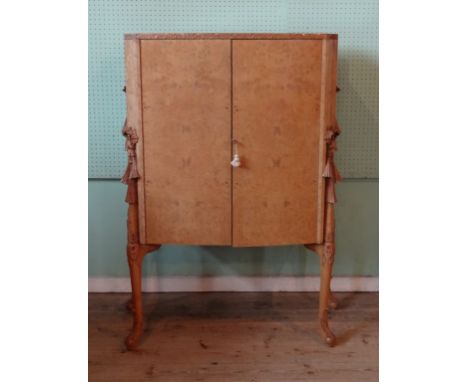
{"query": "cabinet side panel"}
[(332, 61), (186, 89), (277, 121), (133, 91)]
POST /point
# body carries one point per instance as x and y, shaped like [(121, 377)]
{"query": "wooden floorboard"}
[(224, 337)]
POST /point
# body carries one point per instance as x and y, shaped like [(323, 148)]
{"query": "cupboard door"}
[(278, 190), (186, 117)]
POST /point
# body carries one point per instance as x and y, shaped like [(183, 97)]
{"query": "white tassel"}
[(236, 161)]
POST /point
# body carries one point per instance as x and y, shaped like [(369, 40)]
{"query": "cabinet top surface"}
[(230, 36)]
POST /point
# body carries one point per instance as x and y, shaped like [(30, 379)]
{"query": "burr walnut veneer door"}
[(186, 119), (277, 120)]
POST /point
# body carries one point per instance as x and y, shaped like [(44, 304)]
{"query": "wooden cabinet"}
[(230, 139)]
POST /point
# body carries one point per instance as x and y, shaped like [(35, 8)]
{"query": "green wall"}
[(357, 241)]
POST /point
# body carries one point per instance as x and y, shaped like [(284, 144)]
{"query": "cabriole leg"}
[(327, 258), (326, 264), (134, 263), (135, 254), (326, 252), (135, 250), (327, 249)]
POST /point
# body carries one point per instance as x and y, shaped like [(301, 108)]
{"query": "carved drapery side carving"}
[(130, 146), (331, 175), (330, 172), (131, 173)]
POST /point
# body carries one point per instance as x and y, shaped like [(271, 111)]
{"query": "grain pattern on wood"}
[(228, 36), (133, 93), (186, 122), (233, 337), (277, 122)]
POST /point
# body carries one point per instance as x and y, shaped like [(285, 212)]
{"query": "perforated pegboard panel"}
[(356, 22)]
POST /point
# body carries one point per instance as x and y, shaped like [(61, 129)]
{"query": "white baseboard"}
[(233, 284)]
